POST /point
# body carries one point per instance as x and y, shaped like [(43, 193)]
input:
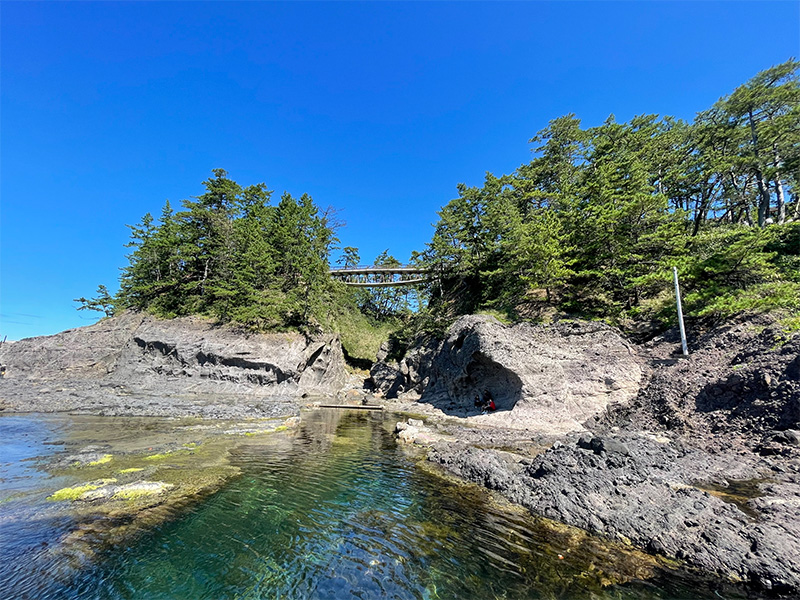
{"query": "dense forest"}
[(229, 254), (590, 227), (594, 223)]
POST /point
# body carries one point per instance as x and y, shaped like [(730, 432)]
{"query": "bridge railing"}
[(379, 268), (382, 275)]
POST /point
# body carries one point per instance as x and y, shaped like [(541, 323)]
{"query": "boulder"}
[(387, 379), (414, 431), (551, 378)]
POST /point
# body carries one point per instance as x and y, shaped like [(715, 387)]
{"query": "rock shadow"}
[(456, 395), (753, 399)]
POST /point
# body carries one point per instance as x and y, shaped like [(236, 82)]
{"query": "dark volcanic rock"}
[(387, 378), (638, 489), (738, 385), (790, 437)]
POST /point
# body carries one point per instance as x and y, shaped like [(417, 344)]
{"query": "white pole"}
[(680, 312)]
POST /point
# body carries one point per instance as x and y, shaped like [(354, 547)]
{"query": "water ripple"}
[(342, 515)]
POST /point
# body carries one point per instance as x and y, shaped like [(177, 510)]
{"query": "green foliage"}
[(104, 302), (232, 255), (734, 270), (362, 335), (591, 226), (503, 317), (594, 223)]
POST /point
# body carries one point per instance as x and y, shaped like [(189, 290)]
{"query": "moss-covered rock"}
[(78, 492)]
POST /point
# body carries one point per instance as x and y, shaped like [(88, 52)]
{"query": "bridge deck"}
[(379, 270), (382, 276)]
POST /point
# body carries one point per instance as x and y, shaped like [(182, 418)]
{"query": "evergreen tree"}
[(104, 302), (231, 255), (764, 116)]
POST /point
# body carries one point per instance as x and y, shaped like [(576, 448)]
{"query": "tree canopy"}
[(231, 254), (591, 226)]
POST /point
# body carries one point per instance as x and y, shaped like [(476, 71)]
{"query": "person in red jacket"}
[(488, 402)]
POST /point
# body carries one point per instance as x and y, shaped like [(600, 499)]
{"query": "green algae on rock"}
[(77, 492), (101, 461), (132, 491), (152, 469)]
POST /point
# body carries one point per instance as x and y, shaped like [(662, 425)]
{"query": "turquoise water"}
[(341, 512)]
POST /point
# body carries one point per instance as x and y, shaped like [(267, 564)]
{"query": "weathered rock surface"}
[(414, 431), (727, 416), (718, 485), (550, 378), (136, 364), (642, 490), (740, 385), (126, 491)]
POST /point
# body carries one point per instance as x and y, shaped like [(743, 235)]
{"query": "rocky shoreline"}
[(694, 459), (701, 465), (136, 365)]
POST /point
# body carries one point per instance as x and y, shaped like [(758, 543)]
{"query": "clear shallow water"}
[(342, 512), (27, 522)]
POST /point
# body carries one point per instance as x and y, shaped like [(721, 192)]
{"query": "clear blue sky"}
[(378, 109)]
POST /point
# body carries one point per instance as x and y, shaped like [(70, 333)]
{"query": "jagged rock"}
[(740, 382), (385, 350), (601, 445), (94, 368), (789, 437), (86, 352), (322, 369), (387, 378), (650, 497), (546, 377)]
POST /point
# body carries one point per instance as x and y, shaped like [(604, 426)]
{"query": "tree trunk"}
[(701, 211), (205, 276), (763, 190), (742, 202), (763, 195), (780, 199)]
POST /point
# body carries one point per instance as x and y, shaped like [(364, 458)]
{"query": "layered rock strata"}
[(136, 364)]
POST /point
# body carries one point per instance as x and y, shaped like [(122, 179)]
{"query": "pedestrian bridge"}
[(380, 276)]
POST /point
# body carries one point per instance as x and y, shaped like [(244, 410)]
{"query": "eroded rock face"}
[(551, 378), (741, 382), (84, 353), (135, 354)]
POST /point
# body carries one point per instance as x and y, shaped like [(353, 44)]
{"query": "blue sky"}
[(378, 109)]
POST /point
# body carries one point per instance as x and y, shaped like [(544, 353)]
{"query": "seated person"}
[(488, 402)]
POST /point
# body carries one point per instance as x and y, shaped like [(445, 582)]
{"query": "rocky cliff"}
[(136, 364), (549, 378)]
